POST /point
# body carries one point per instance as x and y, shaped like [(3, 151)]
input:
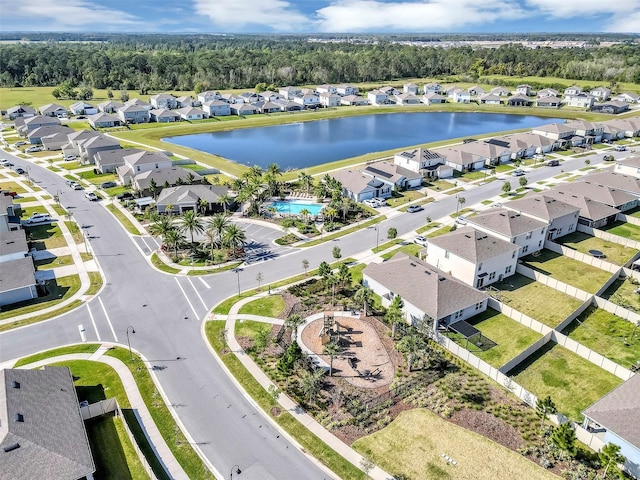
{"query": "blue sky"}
[(326, 16)]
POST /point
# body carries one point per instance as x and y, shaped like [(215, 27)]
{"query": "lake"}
[(305, 144)]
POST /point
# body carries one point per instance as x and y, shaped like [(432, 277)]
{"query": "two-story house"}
[(346, 90), (163, 100), (133, 114), (377, 97), (561, 217), (216, 108), (329, 99), (411, 88), (141, 162), (428, 163)]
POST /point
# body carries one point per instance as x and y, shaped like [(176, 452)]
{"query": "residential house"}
[(611, 132), (402, 178), (13, 243), (522, 230), (523, 144), (559, 132), (53, 110), (231, 98), (581, 100), (359, 186), (136, 102), (308, 91), (249, 97), (142, 182), (601, 94), (377, 97), (572, 90), (406, 99), (592, 214), (268, 96), (74, 140), (17, 284), (288, 105), (326, 89), (472, 256), (208, 96), (518, 100), (476, 91), (266, 107), (432, 88), (615, 419), (493, 153), (410, 88), (549, 102), (55, 141), (83, 108), (428, 163), (43, 433), (243, 109), (627, 97), (307, 101), (107, 161), (141, 162), (346, 90), (628, 167), (426, 291), (103, 120), (191, 197), (109, 106), (459, 95), (432, 97), (9, 221), (216, 108), (592, 132), (460, 159), (561, 217), (163, 101), (163, 115), (630, 126), (187, 101), (328, 99), (500, 91), (618, 199), (289, 93), (133, 114), (28, 124), (390, 91), (35, 136), (353, 100), (490, 99), (523, 89), (547, 92), (191, 113), (20, 111), (89, 147), (614, 107)]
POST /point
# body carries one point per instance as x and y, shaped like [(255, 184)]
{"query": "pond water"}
[(305, 144)]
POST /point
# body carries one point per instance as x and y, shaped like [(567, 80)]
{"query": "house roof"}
[(215, 103), (103, 117), (599, 192), (542, 206), (473, 245), (82, 135), (132, 108), (38, 119), (626, 124), (50, 108), (162, 96), (457, 155), (110, 104), (81, 105), (50, 441), (518, 98), (48, 130), (115, 156), (407, 96), (354, 98), (490, 97), (549, 99), (506, 222), (13, 241), (356, 182), (499, 90), (377, 93), (21, 109), (145, 158), (554, 128), (170, 175), (22, 275), (100, 141), (137, 102), (619, 411), (633, 161), (584, 125), (550, 91), (433, 96), (418, 154), (190, 111), (424, 286), (616, 180), (164, 112), (189, 194), (589, 209), (390, 171)]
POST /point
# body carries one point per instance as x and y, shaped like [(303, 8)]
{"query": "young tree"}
[(261, 339), (506, 187), (564, 437), (337, 254), (173, 238), (324, 270), (191, 222), (305, 265), (364, 295), (344, 275), (610, 458), (259, 278), (461, 201), (225, 200), (153, 186), (310, 383), (545, 407), (124, 96), (331, 349), (366, 465), (274, 394), (109, 93), (523, 181), (392, 233), (331, 281), (394, 314), (293, 321), (587, 162)]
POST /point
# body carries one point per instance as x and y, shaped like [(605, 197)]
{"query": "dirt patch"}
[(489, 426)]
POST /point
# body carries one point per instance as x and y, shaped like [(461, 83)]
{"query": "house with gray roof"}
[(110, 106), (75, 139), (191, 113), (163, 101), (424, 290), (83, 108), (600, 193), (411, 88), (13, 245), (35, 136), (208, 96), (549, 102), (402, 178), (288, 93), (474, 257), (518, 100), (526, 232), (103, 120), (561, 217), (266, 107), (108, 160), (591, 131), (627, 167), (53, 110), (20, 111), (615, 418), (190, 197), (244, 109), (328, 99), (89, 147), (54, 141), (142, 161), (460, 159), (42, 434), (630, 126), (18, 283), (428, 163), (163, 115), (377, 97), (26, 125), (559, 132), (500, 91), (592, 214), (164, 177), (353, 100), (431, 87), (432, 97), (613, 107), (600, 93), (346, 89), (325, 88), (216, 108), (490, 99), (406, 99), (628, 97), (359, 186), (547, 92), (133, 114)]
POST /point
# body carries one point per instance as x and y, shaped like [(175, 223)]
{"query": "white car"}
[(38, 218), (620, 148), (68, 158), (381, 202), (33, 149), (370, 202), (91, 196), (517, 173), (420, 240)]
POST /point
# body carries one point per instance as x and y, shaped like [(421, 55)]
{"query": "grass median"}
[(122, 218)]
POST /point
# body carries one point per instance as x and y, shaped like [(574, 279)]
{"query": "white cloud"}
[(624, 23), (374, 15), (69, 15), (280, 15), (581, 8)]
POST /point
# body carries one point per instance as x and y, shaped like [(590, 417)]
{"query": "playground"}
[(363, 360)]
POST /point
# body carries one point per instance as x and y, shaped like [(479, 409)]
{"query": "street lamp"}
[(235, 469), (377, 237), (129, 342), (237, 270)]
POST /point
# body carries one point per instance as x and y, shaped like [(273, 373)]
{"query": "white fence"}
[(627, 242), (618, 310), (629, 219), (573, 315), (627, 272), (581, 257), (519, 317), (553, 283), (608, 283), (522, 356)]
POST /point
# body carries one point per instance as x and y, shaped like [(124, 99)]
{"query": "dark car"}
[(124, 196), (19, 170), (108, 184), (608, 158), (553, 163)]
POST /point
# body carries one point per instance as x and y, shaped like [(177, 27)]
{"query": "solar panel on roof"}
[(379, 172), (500, 143)]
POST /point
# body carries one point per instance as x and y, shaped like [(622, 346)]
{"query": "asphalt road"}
[(167, 312)]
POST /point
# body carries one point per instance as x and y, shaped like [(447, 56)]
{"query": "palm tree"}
[(293, 321), (217, 225), (225, 199), (153, 186), (364, 295), (306, 181), (162, 226), (169, 208), (173, 238), (332, 349), (331, 213), (234, 237), (344, 275), (203, 204), (191, 222), (305, 213), (332, 280), (311, 382), (272, 174)]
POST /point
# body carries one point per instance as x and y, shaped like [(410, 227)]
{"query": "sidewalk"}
[(287, 403), (156, 440)]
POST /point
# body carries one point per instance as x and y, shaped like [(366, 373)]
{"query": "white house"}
[(547, 92), (493, 153), (328, 99), (432, 88), (406, 99), (208, 96), (326, 89), (103, 120), (411, 88), (191, 113), (601, 93), (526, 232), (109, 106), (573, 90), (490, 99), (289, 92), (460, 159), (476, 91), (134, 114), (592, 214), (53, 110), (83, 108), (377, 97), (216, 108), (359, 186), (401, 177), (561, 217), (581, 100), (432, 97), (628, 97), (629, 166), (163, 100), (353, 100), (591, 131), (472, 256), (523, 89), (500, 91), (345, 90), (556, 131), (459, 95), (307, 101), (428, 163), (548, 102), (424, 290), (141, 162), (163, 115)]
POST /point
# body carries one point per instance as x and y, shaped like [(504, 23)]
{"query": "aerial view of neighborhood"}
[(285, 240)]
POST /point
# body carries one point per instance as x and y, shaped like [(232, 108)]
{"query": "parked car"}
[(109, 184), (517, 172), (38, 218), (6, 163), (20, 143), (620, 148), (33, 149), (608, 158), (461, 220), (68, 158), (414, 208), (553, 163), (19, 170), (76, 186), (91, 196), (381, 202), (420, 240), (124, 196), (70, 182), (370, 202)]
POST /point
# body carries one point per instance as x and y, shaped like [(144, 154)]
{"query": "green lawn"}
[(615, 253), (623, 229), (607, 334), (400, 198), (54, 262), (511, 337), (572, 382), (12, 186), (270, 306), (442, 231), (126, 223), (623, 293), (524, 294), (78, 348), (567, 270), (440, 185), (429, 436), (409, 249), (96, 283), (249, 328), (46, 237), (160, 265)]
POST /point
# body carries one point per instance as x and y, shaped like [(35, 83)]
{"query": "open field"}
[(511, 337), (607, 334), (572, 382), (615, 253), (429, 436), (567, 270), (524, 294), (623, 229), (270, 306)]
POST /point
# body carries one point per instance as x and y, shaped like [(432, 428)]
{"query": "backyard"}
[(510, 337), (623, 229), (429, 436), (615, 253), (623, 292), (572, 382), (567, 270), (524, 294), (607, 334)]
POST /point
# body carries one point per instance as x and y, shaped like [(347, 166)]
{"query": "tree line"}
[(157, 62)]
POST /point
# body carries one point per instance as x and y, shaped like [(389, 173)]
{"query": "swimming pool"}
[(294, 207)]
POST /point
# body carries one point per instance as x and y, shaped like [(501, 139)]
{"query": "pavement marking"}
[(146, 244), (82, 335), (108, 320), (185, 297), (93, 321), (204, 283), (154, 240), (197, 293)]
